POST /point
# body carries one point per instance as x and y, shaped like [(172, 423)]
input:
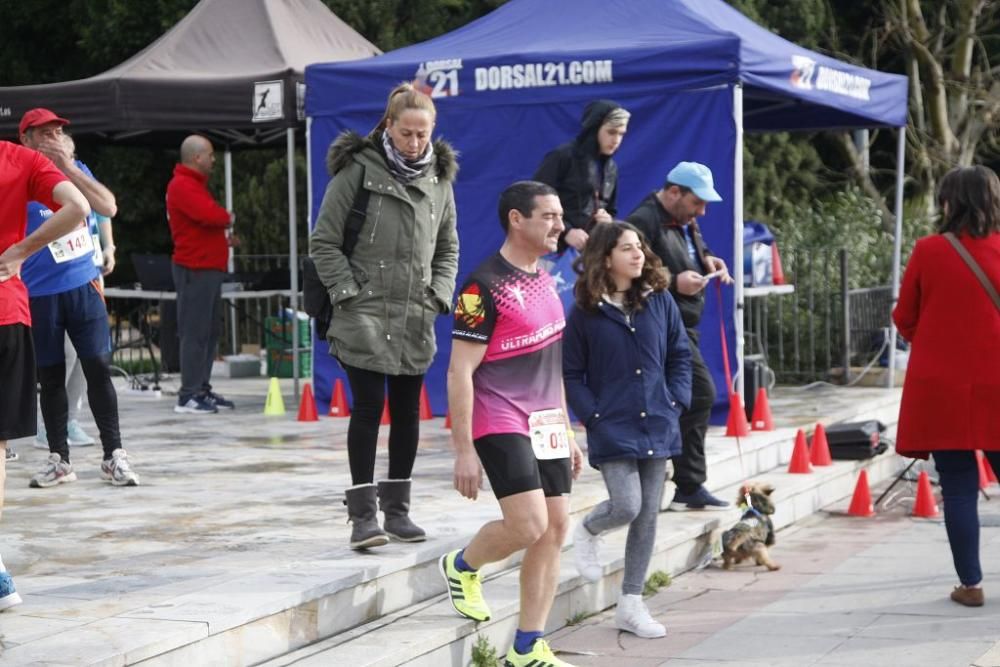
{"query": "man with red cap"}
[(66, 298), (24, 175)]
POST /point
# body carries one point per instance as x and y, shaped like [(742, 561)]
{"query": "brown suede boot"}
[(968, 596)]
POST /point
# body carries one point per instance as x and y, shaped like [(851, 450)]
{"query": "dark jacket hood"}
[(349, 143), (593, 118)]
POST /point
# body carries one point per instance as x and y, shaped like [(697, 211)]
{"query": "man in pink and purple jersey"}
[(508, 412)]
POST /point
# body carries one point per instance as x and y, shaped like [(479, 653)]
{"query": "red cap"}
[(36, 117)]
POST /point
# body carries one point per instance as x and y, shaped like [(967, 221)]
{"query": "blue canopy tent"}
[(510, 86)]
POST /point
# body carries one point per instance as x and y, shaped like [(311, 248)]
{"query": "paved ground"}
[(852, 592), (226, 497)]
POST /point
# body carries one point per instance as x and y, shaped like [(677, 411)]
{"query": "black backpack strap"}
[(355, 220)]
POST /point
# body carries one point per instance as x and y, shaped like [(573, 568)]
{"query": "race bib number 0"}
[(78, 243), (548, 434)]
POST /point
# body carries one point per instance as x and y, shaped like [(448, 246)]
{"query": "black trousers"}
[(199, 322), (368, 389), (689, 467), (100, 394)]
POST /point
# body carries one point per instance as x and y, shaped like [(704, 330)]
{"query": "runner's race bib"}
[(548, 434), (77, 243)]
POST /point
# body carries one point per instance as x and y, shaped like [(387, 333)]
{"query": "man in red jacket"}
[(198, 226)]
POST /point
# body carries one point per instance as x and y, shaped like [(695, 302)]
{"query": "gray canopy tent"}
[(231, 70)]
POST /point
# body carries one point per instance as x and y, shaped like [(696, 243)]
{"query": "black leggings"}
[(368, 390), (100, 394)]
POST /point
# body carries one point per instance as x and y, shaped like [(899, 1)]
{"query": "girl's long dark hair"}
[(595, 281), (969, 199)]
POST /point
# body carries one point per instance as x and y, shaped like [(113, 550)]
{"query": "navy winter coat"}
[(628, 381)]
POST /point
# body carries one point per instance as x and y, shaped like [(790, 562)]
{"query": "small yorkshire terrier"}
[(754, 532)]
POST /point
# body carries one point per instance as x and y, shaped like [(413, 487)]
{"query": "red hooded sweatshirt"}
[(197, 223)]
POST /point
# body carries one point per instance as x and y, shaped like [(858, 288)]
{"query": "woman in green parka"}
[(399, 276)]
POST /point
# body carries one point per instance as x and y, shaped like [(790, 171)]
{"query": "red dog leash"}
[(730, 392)]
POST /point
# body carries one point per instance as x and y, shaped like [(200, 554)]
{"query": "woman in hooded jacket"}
[(386, 292), (584, 173), (627, 372)]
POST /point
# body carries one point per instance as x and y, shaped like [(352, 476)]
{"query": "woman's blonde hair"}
[(402, 97)]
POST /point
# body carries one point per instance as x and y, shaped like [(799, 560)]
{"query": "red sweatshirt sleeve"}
[(45, 176)]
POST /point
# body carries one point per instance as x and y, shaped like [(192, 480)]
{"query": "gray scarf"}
[(403, 170)]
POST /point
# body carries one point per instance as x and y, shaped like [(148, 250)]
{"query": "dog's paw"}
[(773, 567)]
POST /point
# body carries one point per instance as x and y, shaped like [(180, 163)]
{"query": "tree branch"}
[(961, 56), (916, 36), (845, 145)]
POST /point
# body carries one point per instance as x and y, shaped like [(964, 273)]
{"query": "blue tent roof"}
[(538, 50)]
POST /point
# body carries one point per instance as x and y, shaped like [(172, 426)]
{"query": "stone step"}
[(280, 588), (430, 633)]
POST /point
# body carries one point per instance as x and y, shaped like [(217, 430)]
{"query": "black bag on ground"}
[(316, 295), (856, 440)]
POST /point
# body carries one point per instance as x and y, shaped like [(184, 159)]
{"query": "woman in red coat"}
[(951, 395)]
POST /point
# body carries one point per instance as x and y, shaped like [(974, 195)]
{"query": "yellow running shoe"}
[(539, 656), (464, 589)]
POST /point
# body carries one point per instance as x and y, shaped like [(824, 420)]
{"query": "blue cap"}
[(696, 176)]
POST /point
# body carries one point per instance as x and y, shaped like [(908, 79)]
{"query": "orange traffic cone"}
[(447, 420), (425, 405), (777, 274), (984, 479), (307, 407), (736, 425), (819, 453), (385, 414), (338, 402), (990, 475), (925, 506), (800, 455), (762, 419), (861, 502)]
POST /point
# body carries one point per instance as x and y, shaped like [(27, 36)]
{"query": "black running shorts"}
[(17, 368), (511, 467)]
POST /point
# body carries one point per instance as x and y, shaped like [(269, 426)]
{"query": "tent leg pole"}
[(897, 246), (293, 260), (309, 226), (231, 264), (737, 268)]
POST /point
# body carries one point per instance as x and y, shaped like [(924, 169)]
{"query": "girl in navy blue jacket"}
[(627, 369)]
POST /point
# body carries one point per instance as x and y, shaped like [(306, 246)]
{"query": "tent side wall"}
[(505, 142)]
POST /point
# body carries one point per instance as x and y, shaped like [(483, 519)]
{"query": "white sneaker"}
[(8, 594), (76, 436), (632, 616), (586, 556), (118, 471), (55, 472)]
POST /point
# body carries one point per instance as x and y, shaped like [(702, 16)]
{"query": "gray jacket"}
[(401, 274)]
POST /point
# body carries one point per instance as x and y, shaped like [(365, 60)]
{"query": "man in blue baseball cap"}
[(668, 218)]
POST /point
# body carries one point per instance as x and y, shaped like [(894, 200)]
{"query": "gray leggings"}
[(634, 491)]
